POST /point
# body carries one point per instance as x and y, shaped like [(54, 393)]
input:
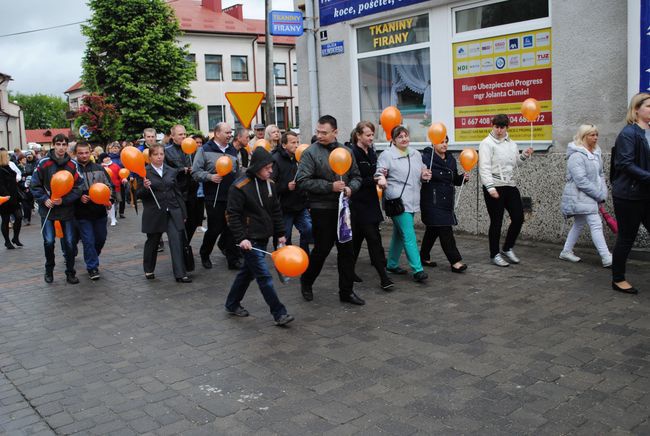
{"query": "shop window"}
[(213, 67), (191, 58), (280, 74), (239, 66), (499, 13), (216, 114)]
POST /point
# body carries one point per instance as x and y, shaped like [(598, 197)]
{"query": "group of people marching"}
[(268, 193)]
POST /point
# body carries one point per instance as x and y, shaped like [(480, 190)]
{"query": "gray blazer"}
[(585, 181)]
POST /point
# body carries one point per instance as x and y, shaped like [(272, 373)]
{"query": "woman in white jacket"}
[(498, 157), (585, 189)]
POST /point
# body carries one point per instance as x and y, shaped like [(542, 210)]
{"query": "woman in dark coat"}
[(9, 186), (437, 205), (167, 215)]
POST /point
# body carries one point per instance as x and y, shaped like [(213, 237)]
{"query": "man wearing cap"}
[(259, 134)]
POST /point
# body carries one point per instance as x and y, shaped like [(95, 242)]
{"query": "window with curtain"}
[(216, 114), (213, 67), (280, 73), (239, 67)]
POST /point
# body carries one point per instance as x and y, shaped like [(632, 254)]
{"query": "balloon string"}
[(46, 217), (460, 192), (154, 197), (215, 197), (261, 251)]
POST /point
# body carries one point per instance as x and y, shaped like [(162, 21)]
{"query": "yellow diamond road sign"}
[(245, 105)]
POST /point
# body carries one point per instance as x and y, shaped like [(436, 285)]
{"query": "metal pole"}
[(310, 21), (268, 47)]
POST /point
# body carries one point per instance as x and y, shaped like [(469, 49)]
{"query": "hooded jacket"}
[(41, 190), (585, 181), (253, 210), (497, 160), (285, 168), (204, 168)]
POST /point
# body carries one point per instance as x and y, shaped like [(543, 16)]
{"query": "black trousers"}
[(217, 226), (447, 242), (324, 229), (175, 239), (28, 205), (18, 222), (192, 221), (369, 232), (510, 200), (630, 214)]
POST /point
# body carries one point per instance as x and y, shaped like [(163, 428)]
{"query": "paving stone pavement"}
[(544, 347)]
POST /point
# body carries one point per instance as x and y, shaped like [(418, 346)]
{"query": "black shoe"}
[(460, 269), (49, 277), (420, 276), (357, 279), (93, 274), (17, 242), (205, 261), (352, 299), (306, 291), (161, 247), (631, 290), (387, 284), (122, 216), (240, 311), (149, 276), (184, 279), (429, 263), (72, 279), (283, 320), (9, 245), (397, 270), (236, 265)]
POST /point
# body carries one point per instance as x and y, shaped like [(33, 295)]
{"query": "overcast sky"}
[(50, 61)]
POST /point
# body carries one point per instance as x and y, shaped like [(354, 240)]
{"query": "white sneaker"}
[(607, 261), (113, 223), (498, 260), (568, 255), (510, 256)]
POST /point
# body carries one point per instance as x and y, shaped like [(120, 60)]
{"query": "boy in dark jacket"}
[(254, 216)]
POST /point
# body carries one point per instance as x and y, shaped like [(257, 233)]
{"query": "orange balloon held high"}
[(145, 153), (530, 109), (100, 194), (301, 148), (124, 173), (60, 184), (4, 199), (133, 160), (58, 230), (290, 260), (189, 146), (262, 143), (468, 159), (223, 166), (389, 119), (340, 160), (437, 133)]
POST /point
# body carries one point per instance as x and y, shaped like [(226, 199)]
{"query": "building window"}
[(294, 77), (194, 120), (499, 13), (296, 118), (213, 67), (216, 114), (74, 104), (239, 66), (280, 73), (192, 59), (280, 118), (234, 117)]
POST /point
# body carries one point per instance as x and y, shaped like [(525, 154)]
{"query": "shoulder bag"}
[(395, 206)]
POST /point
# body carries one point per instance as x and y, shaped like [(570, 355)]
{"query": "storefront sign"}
[(285, 23), (334, 11), (644, 55), (495, 75), (331, 48), (397, 33)]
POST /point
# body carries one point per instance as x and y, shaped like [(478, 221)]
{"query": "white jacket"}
[(497, 160)]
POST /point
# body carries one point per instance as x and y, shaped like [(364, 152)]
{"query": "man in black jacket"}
[(90, 217), (254, 216), (293, 202)]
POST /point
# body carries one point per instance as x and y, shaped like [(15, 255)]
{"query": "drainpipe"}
[(310, 21)]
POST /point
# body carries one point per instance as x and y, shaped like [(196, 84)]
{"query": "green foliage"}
[(102, 119), (132, 56), (42, 111)]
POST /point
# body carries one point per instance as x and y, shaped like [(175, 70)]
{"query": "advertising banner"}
[(495, 75), (644, 59), (285, 23), (335, 11)]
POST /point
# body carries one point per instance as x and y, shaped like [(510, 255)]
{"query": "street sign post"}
[(84, 132), (245, 105)]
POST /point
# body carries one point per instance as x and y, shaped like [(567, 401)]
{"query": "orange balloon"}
[(437, 133), (189, 146), (248, 149), (58, 230), (4, 199), (389, 119), (340, 160), (60, 184), (124, 173), (380, 193), (301, 148), (100, 194), (530, 109), (223, 166), (145, 153), (262, 143), (133, 160), (290, 260), (468, 159)]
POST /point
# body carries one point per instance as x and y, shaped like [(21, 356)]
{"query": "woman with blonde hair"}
[(584, 191), (631, 185), (9, 179), (273, 135)]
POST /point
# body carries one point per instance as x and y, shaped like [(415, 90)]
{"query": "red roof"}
[(43, 136), (74, 87), (195, 18)]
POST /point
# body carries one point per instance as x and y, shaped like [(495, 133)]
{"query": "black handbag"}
[(188, 255), (395, 206)]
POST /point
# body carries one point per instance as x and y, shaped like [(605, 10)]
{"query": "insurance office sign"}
[(335, 11)]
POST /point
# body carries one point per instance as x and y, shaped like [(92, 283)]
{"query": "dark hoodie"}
[(41, 190), (253, 210)]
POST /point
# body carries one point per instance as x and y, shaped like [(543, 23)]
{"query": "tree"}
[(101, 118), (42, 111), (133, 58)]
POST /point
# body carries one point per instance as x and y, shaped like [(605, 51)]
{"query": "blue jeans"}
[(93, 236), (255, 267), (67, 244), (302, 221)]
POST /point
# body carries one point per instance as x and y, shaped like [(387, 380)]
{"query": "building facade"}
[(12, 123)]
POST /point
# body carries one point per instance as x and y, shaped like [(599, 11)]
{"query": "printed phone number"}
[(487, 121)]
